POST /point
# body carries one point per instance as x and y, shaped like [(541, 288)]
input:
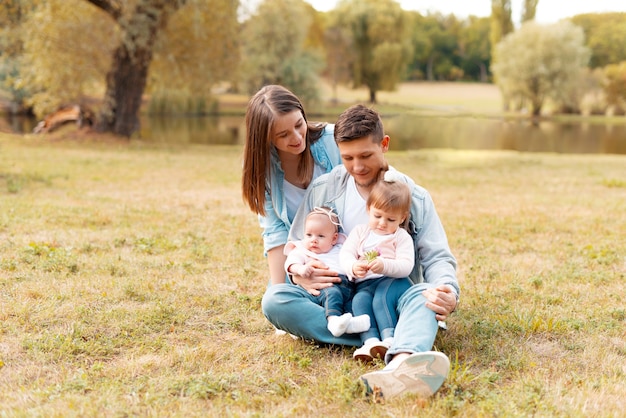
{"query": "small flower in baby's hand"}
[(371, 255)]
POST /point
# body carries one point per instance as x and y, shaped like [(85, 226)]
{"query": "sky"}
[(548, 11)]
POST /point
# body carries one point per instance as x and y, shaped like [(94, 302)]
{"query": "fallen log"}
[(66, 114)]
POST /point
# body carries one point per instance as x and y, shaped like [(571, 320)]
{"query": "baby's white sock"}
[(358, 324), (337, 325)]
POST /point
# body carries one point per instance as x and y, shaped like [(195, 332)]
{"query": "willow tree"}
[(537, 74), (275, 50), (380, 42)]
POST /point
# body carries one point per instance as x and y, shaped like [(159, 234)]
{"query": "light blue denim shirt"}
[(276, 222), (434, 262)]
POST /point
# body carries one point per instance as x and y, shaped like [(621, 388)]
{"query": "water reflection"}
[(214, 130), (414, 132), (408, 131)]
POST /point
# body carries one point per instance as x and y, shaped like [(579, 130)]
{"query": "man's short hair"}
[(358, 122)]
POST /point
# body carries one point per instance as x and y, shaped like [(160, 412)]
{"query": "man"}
[(411, 366)]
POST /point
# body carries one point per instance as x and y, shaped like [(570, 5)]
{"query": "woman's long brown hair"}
[(267, 104)]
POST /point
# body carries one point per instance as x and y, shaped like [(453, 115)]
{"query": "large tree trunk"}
[(372, 96), (126, 80), (429, 68)]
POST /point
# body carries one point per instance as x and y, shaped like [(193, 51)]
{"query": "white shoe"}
[(420, 373), (280, 332), (369, 352)]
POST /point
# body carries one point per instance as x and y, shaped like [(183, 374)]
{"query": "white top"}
[(294, 194), (354, 213)]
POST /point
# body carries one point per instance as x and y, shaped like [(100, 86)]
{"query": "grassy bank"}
[(131, 278)]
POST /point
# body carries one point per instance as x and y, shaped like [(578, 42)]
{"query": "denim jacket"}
[(434, 262), (276, 223)]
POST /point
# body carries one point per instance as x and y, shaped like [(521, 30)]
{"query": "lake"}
[(410, 131)]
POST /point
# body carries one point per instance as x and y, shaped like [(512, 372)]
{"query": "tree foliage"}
[(615, 85), (64, 63), (529, 9), (73, 50), (139, 23), (13, 15), (605, 35), (196, 51), (501, 21), (538, 62), (475, 47), (274, 48), (378, 31), (436, 50)]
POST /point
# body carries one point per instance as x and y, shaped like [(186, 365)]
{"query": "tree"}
[(529, 10), (475, 48), (143, 45), (196, 51), (338, 58), (139, 23), (435, 41), (605, 34), (13, 14), (501, 22), (63, 58), (541, 61), (273, 49), (615, 85), (379, 36), (501, 25)]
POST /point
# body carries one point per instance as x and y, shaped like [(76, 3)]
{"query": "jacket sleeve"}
[(275, 231), (294, 257), (402, 265), (432, 249)]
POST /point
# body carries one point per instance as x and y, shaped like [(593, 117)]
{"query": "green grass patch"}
[(131, 279)]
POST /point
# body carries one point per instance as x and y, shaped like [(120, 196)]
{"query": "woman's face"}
[(289, 133)]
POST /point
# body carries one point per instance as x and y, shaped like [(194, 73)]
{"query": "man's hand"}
[(442, 300), (320, 278)]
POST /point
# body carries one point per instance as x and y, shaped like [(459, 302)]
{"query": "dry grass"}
[(131, 277), (433, 97)]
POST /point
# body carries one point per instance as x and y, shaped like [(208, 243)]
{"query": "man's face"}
[(363, 158)]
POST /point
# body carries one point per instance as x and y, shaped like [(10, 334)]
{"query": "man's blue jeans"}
[(293, 309)]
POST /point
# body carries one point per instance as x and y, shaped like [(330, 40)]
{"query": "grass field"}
[(131, 277), (476, 98)]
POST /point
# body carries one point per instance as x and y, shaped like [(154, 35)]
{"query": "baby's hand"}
[(305, 270), (360, 268), (377, 266)]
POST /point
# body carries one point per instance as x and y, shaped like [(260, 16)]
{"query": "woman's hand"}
[(442, 300), (320, 278)]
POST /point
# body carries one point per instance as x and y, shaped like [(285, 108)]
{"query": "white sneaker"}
[(420, 373), (280, 332), (369, 352)]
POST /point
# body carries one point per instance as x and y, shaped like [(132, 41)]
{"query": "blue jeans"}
[(385, 304), (293, 309), (378, 299), (334, 298)]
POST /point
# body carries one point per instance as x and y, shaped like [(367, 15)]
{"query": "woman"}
[(283, 154)]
